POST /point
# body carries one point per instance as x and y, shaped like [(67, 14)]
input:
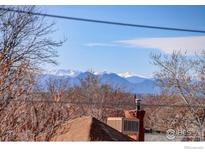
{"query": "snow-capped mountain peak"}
[(130, 75), (100, 73), (62, 72), (126, 74)]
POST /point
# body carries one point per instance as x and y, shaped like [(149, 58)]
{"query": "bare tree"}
[(97, 99), (90, 95), (184, 76), (57, 88), (25, 44)]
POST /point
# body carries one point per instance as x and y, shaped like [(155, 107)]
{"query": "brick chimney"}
[(140, 115)]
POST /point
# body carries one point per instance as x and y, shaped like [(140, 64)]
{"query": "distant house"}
[(87, 128)]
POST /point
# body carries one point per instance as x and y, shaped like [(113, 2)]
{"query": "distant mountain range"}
[(127, 83)]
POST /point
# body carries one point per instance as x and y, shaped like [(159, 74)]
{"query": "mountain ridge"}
[(132, 84)]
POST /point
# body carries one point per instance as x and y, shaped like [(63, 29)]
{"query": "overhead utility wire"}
[(104, 22), (128, 105), (167, 105)]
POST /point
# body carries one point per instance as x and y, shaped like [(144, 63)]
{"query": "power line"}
[(116, 104), (167, 105), (105, 22)]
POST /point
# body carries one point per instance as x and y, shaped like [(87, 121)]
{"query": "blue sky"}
[(120, 49)]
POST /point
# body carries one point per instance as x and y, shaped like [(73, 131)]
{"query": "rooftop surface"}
[(87, 128)]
